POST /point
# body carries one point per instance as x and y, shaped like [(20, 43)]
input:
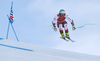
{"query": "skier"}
[(61, 23)]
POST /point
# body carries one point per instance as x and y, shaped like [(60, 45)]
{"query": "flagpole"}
[(14, 32), (10, 18), (7, 31)]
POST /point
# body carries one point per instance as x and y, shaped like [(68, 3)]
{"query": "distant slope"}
[(18, 51)]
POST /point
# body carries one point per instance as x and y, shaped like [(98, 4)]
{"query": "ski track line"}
[(17, 47)]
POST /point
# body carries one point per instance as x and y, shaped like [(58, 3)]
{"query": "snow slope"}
[(18, 51)]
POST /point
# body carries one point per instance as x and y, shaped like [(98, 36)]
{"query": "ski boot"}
[(62, 35), (67, 35)]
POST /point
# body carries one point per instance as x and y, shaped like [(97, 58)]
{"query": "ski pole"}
[(85, 25)]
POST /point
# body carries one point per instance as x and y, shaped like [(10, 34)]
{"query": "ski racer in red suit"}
[(60, 19)]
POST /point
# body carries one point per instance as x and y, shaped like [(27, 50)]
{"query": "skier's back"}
[(61, 23)]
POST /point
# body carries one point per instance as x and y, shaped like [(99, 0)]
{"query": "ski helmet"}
[(61, 12)]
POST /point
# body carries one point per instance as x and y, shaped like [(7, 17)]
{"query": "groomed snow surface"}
[(18, 51)]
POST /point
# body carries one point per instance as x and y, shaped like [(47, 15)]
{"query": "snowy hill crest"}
[(18, 51)]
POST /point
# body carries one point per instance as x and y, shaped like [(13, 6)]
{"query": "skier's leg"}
[(61, 31), (66, 31)]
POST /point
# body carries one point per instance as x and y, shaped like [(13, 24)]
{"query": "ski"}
[(64, 39), (71, 40)]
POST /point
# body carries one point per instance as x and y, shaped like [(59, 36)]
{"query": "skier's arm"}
[(68, 18), (73, 25), (54, 23)]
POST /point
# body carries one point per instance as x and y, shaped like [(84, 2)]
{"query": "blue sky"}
[(32, 18)]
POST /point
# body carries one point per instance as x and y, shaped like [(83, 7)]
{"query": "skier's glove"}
[(73, 27), (55, 29)]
